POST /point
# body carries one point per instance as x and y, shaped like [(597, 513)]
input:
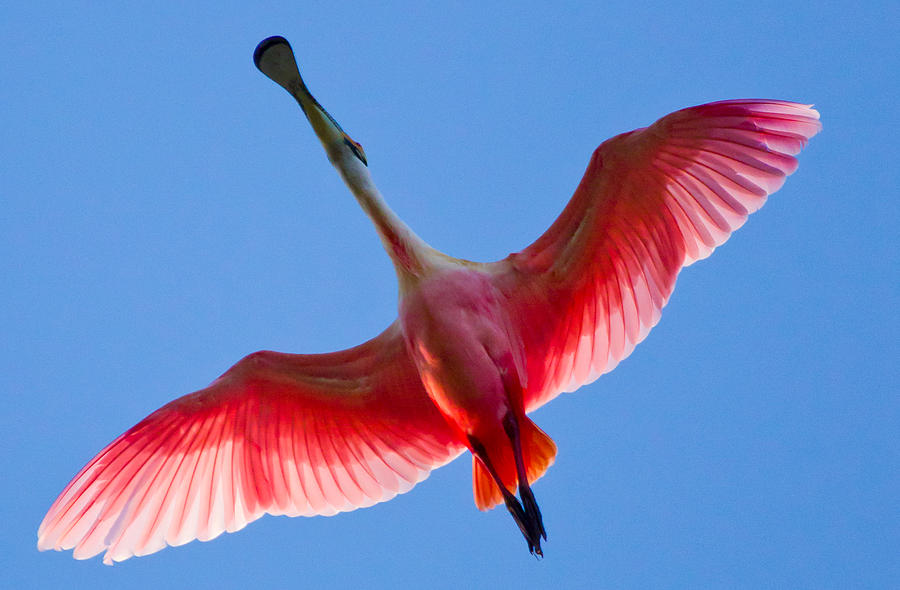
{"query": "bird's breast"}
[(458, 336)]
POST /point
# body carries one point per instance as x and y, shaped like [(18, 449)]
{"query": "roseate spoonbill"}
[(475, 348)]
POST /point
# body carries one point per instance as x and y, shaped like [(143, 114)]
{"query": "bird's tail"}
[(538, 452)]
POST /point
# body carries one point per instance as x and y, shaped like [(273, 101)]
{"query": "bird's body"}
[(464, 347), (470, 358), (476, 345)]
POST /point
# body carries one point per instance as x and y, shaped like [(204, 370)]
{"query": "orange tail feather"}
[(538, 452)]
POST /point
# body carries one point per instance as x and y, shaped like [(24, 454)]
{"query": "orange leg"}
[(528, 518), (532, 512)]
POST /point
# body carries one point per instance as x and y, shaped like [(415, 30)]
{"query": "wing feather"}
[(652, 201), (277, 434)]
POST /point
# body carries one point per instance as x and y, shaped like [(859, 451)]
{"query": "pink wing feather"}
[(277, 433), (652, 201)]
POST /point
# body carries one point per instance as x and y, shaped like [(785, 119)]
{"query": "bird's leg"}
[(532, 512), (512, 503)]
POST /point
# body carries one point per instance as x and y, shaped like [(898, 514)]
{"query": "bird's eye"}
[(357, 150)]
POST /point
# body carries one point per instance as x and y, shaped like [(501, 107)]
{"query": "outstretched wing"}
[(652, 201), (277, 433)]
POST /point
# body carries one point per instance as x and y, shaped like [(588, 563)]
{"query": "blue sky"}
[(166, 210)]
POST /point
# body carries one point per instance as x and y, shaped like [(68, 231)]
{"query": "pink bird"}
[(476, 347)]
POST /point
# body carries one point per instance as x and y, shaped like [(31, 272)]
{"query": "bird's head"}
[(275, 58)]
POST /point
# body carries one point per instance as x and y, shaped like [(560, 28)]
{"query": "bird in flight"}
[(475, 348)]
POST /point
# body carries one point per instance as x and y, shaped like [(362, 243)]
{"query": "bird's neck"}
[(409, 253)]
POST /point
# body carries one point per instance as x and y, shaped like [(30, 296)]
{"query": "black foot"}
[(524, 523), (532, 512)]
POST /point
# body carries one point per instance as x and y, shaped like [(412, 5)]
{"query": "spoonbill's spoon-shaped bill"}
[(476, 345)]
